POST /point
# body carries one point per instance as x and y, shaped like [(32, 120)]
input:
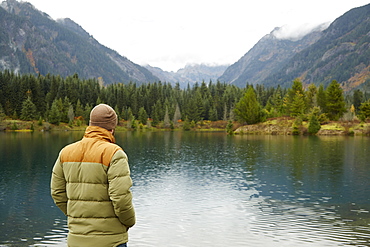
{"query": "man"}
[(91, 184)]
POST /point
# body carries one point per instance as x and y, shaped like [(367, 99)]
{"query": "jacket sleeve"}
[(58, 186), (119, 188)]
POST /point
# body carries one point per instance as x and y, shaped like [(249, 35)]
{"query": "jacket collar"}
[(99, 133)]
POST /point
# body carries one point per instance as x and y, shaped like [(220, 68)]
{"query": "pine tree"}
[(321, 98), (224, 118), (87, 111), (166, 121), (335, 104), (294, 98), (248, 109), (2, 114), (186, 125), (116, 109), (313, 125), (79, 109), (28, 110), (229, 128), (364, 110), (143, 116), (277, 101), (64, 107), (213, 114), (297, 106), (71, 114), (177, 114), (54, 114), (358, 98), (311, 96)]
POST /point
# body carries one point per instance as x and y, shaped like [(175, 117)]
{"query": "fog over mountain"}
[(314, 54), (295, 33)]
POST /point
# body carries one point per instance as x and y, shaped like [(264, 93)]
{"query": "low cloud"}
[(297, 32)]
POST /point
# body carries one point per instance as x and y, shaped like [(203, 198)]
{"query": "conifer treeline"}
[(56, 99), (72, 96)]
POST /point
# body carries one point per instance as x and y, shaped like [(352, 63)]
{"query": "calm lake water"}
[(204, 189)]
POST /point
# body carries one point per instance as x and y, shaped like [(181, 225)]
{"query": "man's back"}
[(91, 185)]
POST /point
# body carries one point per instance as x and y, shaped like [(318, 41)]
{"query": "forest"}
[(56, 100)]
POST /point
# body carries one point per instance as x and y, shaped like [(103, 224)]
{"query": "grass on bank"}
[(11, 125), (281, 126)]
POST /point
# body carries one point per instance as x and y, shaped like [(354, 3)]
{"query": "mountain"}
[(190, 74), (266, 57), (32, 42), (340, 52)]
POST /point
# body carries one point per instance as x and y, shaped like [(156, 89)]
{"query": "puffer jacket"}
[(91, 184)]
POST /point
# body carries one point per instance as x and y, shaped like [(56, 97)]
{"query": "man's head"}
[(103, 116)]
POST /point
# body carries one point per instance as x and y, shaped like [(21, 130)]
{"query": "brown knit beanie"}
[(103, 116)]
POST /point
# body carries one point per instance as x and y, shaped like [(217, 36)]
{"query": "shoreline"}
[(275, 126)]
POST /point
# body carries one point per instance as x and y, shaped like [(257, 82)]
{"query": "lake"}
[(204, 189)]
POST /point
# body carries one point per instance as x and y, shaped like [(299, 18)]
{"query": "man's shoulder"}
[(71, 145)]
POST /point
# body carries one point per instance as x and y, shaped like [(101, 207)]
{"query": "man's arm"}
[(58, 186), (119, 188)]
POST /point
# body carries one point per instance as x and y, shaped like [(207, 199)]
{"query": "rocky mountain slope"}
[(31, 42), (266, 57), (340, 52)]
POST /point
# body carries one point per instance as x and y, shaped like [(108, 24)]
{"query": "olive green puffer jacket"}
[(91, 184)]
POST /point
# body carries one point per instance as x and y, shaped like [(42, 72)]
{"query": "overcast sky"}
[(172, 33)]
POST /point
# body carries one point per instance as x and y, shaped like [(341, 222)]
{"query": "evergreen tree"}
[(321, 98), (186, 125), (313, 125), (248, 109), (166, 121), (364, 110), (311, 96), (192, 112), (28, 110), (213, 114), (358, 99), (229, 128), (297, 125), (277, 102), (335, 104), (63, 106), (116, 109), (224, 118), (157, 113), (2, 114), (143, 116), (177, 114), (129, 114), (87, 111), (294, 98), (232, 114), (54, 114), (79, 109), (297, 106), (71, 114)]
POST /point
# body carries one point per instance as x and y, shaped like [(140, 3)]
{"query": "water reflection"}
[(206, 189)]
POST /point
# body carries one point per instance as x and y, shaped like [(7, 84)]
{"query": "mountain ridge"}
[(339, 52), (190, 74), (268, 54), (342, 52), (32, 42)]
